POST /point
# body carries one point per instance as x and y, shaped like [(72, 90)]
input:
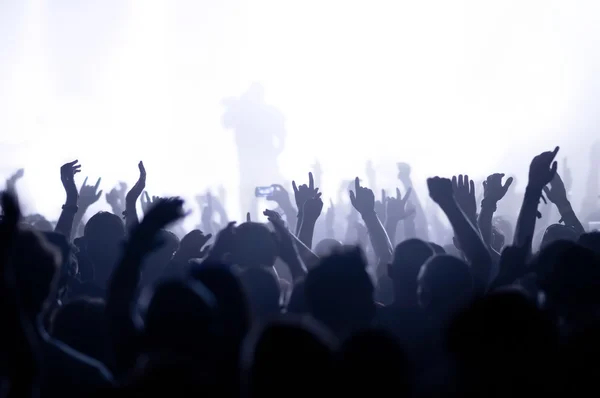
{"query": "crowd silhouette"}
[(378, 296)]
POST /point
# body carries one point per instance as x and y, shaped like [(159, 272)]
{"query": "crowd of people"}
[(385, 295)]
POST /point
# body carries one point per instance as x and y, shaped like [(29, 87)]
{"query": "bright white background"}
[(450, 86)]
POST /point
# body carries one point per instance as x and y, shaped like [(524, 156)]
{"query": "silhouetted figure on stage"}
[(260, 137)]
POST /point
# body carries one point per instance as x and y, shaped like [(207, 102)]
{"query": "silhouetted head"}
[(591, 240), (327, 246), (232, 304), (571, 281), (275, 355), (409, 256), (103, 236), (181, 319), (36, 268), (503, 333), (81, 324), (255, 246), (445, 285), (372, 360), (263, 292), (339, 292), (556, 232)]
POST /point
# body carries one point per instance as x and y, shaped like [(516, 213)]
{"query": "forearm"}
[(470, 241), (390, 228), (420, 219), (569, 217), (527, 218), (309, 258), (379, 238), (485, 220), (77, 220), (131, 218), (64, 225), (291, 216), (306, 232)]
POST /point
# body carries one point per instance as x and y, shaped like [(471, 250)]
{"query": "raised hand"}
[(89, 194), (224, 243), (162, 214), (193, 245), (542, 169), (464, 193), (116, 197), (274, 217), (280, 196), (148, 202), (286, 249), (67, 176), (440, 190), (11, 182), (557, 193), (493, 189), (396, 207), (313, 208), (304, 192), (362, 198), (135, 192)]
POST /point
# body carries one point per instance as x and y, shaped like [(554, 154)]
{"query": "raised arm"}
[(131, 218), (363, 201), (476, 252), (493, 192), (557, 194), (302, 194), (64, 224), (541, 171), (88, 195), (395, 212)]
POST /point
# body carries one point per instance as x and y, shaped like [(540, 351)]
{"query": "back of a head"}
[(339, 291), (276, 354), (262, 290), (36, 267), (445, 284), (373, 359), (255, 246), (327, 247), (409, 256), (180, 319), (556, 232), (81, 324), (503, 333), (571, 280), (104, 227), (104, 234), (231, 299), (591, 240)]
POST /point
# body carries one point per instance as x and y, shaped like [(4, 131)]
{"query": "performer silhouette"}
[(260, 137)]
